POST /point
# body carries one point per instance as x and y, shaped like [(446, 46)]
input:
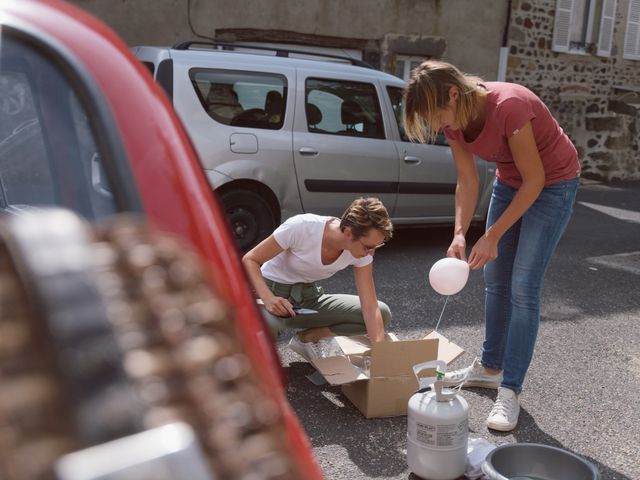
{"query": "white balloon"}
[(449, 275)]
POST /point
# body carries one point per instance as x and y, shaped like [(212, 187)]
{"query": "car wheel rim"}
[(244, 225)]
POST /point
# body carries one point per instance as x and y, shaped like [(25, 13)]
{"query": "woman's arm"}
[(369, 302), (527, 159), (467, 188), (261, 253)]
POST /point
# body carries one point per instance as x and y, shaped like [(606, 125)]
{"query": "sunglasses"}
[(371, 248)]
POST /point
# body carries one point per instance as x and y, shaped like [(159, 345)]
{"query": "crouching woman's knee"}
[(386, 313)]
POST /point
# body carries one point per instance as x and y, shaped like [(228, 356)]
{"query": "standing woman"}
[(532, 200)]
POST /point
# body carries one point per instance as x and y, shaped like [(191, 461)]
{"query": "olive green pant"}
[(341, 313)]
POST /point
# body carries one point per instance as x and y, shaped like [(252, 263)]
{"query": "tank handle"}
[(435, 383), (426, 382)]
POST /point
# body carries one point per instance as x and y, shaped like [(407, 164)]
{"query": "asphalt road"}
[(582, 390)]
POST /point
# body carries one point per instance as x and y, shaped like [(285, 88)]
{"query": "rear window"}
[(242, 99)]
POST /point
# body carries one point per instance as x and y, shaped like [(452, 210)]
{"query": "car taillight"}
[(111, 331)]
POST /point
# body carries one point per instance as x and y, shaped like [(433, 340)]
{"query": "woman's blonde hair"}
[(364, 214), (428, 90)]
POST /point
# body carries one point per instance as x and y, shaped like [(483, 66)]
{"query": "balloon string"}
[(440, 318)]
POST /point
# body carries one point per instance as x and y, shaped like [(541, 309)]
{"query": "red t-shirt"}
[(509, 108)]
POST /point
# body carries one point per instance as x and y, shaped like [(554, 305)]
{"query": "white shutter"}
[(607, 23), (562, 25), (632, 35)]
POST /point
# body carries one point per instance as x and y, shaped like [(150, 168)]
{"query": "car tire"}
[(250, 215)]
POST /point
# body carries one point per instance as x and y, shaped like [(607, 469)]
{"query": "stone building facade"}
[(595, 98), (468, 33)]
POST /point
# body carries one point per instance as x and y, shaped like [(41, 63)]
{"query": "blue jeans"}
[(513, 280)]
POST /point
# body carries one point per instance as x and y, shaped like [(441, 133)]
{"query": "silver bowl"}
[(532, 461)]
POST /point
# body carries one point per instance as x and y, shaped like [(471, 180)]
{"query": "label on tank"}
[(447, 435)]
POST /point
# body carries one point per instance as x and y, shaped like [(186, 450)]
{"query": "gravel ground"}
[(581, 393)]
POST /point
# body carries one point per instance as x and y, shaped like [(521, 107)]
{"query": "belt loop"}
[(297, 293)]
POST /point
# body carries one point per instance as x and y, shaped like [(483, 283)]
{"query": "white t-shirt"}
[(301, 262)]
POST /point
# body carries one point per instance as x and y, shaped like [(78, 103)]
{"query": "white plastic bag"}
[(477, 451)]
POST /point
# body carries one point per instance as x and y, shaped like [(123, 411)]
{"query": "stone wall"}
[(595, 99)]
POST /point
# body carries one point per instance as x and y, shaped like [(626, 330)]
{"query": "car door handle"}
[(308, 151), (411, 159)]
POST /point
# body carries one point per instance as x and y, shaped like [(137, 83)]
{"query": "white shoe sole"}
[(501, 427), (482, 384), (475, 383), (296, 349)]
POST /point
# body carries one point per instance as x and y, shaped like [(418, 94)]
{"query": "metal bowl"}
[(532, 461)]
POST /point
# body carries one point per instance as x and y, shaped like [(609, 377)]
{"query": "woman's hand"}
[(485, 250), (278, 306), (458, 247)]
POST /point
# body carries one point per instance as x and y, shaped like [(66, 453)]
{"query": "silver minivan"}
[(278, 136)]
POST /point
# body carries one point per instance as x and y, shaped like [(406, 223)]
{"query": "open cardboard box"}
[(384, 390)]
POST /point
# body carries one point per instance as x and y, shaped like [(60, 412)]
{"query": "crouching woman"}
[(285, 268)]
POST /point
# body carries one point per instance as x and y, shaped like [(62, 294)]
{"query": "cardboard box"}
[(384, 388)]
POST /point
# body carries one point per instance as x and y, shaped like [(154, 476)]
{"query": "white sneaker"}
[(476, 376), (307, 350), (504, 414)]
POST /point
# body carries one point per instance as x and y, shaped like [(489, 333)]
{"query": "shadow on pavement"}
[(376, 446)]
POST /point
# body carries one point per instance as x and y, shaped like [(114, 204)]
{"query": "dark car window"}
[(48, 154), (150, 66), (343, 108), (242, 99), (397, 103), (24, 177)]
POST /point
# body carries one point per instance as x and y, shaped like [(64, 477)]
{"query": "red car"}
[(84, 127)]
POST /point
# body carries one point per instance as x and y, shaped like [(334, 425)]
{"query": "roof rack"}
[(280, 52)]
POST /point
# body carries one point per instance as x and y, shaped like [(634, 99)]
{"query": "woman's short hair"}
[(428, 90), (364, 214)]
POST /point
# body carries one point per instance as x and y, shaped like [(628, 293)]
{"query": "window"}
[(24, 172), (405, 65), (343, 108), (607, 24), (397, 103), (575, 21), (150, 66), (572, 31), (632, 33), (242, 99), (48, 154)]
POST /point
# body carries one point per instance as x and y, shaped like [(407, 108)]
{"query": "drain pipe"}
[(504, 49)]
